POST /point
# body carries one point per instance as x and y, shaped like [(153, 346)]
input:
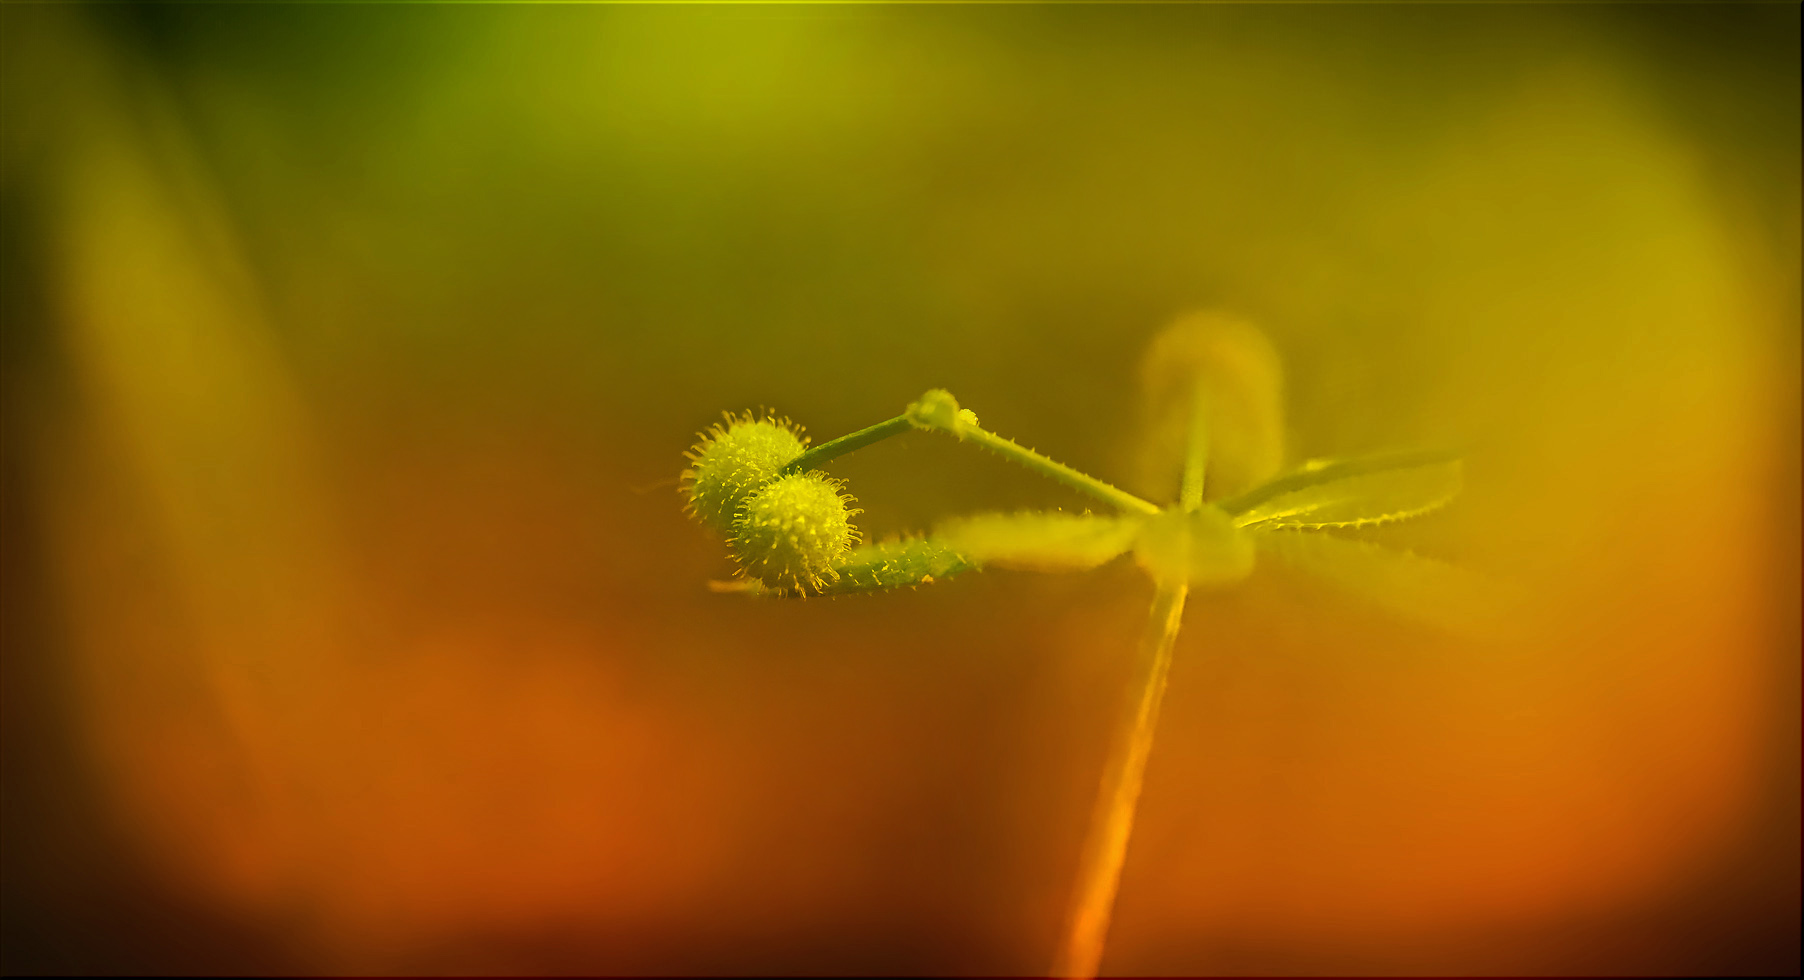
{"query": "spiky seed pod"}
[(789, 532), (732, 461)]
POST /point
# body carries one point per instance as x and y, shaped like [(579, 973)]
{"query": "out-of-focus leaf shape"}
[(1235, 369), (1423, 590), (877, 567), (1351, 493), (1045, 541)]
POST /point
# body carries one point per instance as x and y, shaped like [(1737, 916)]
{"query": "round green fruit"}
[(790, 532), (732, 461)]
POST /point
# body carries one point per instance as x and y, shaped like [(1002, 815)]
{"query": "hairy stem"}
[(939, 411), (1055, 470)]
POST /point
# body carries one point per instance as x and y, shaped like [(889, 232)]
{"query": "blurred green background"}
[(352, 624)]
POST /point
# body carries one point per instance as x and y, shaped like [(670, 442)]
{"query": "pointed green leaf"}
[(1039, 540), (1351, 493)]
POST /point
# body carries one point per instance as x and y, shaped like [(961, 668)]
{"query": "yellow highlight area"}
[(1200, 547)]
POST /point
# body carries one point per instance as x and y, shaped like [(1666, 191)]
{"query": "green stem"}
[(845, 444), (1008, 449), (939, 411), (1105, 847), (1196, 460)]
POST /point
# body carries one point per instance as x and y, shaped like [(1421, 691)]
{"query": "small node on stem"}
[(937, 409)]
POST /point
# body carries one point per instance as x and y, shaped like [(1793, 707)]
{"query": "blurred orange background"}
[(352, 624)]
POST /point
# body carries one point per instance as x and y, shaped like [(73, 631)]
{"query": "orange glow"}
[(379, 631)]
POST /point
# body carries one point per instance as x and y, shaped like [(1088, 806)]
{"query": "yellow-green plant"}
[(1210, 381)]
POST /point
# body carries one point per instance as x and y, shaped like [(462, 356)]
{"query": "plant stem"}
[(846, 443), (1112, 822), (939, 411), (1196, 459), (1105, 848), (1045, 466)]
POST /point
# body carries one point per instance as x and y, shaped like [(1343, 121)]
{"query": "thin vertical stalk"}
[(1105, 849), (1112, 822), (1196, 455)]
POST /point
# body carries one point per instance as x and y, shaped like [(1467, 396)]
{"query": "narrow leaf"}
[(1351, 493), (1039, 540)]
